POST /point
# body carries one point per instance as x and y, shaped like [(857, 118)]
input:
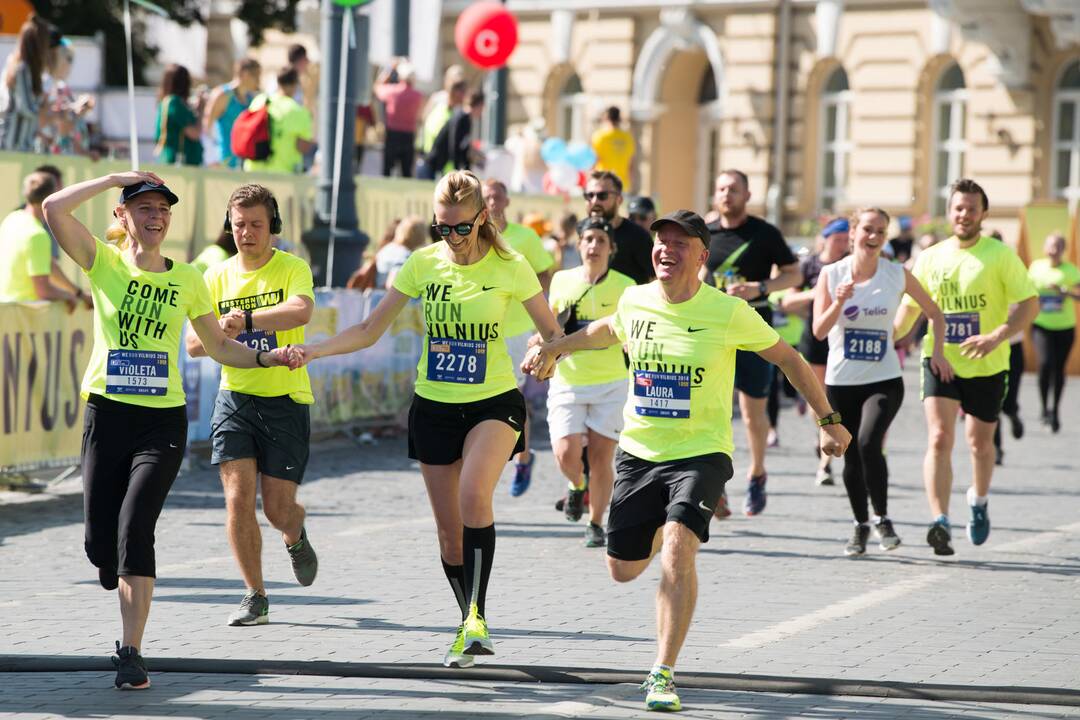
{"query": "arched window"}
[(1066, 170), (950, 118), (835, 145), (709, 135), (572, 111)]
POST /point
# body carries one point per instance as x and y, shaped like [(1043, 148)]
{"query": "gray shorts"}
[(275, 431)]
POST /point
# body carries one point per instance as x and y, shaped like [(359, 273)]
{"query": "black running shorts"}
[(437, 430), (649, 494), (753, 374), (274, 431), (980, 397)]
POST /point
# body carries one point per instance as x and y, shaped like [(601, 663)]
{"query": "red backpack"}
[(250, 138)]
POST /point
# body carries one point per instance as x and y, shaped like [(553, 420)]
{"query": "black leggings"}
[(130, 457), (1011, 404), (1053, 347), (867, 411)]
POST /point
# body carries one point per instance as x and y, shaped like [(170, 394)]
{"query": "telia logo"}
[(851, 312)]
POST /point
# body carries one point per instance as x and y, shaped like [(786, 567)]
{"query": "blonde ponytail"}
[(117, 235)]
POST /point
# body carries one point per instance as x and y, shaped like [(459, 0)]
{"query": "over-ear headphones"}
[(275, 221)]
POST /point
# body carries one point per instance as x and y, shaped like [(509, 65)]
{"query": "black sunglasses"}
[(602, 196), (462, 229)]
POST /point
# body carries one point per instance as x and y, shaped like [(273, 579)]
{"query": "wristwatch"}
[(832, 418), (248, 327), (763, 288)]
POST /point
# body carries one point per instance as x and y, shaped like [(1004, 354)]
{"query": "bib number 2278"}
[(457, 361)]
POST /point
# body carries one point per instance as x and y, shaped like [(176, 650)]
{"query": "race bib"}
[(259, 340), (658, 394), (1051, 303), (865, 344), (457, 361), (960, 326), (137, 372)]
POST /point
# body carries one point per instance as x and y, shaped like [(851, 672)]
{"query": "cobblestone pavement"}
[(777, 596)]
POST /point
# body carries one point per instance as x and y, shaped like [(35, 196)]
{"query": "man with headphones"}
[(261, 426)]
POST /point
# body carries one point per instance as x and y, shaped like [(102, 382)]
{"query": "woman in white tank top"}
[(854, 306)]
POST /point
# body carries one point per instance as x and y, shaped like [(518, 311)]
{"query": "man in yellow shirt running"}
[(263, 298), (973, 279), (675, 451)]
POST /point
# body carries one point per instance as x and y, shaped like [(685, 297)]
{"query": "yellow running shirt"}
[(27, 252), (570, 287), (614, 148), (211, 255), (138, 320), (974, 288), (1056, 311), (525, 241), (284, 276), (682, 369), (464, 356)]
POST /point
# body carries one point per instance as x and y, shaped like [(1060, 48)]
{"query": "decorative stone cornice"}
[(1003, 26), (1064, 19)]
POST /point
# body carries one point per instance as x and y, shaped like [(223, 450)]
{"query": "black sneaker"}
[(108, 578), (575, 504), (886, 535), (939, 537), (305, 564), (857, 545), (594, 536), (130, 669)]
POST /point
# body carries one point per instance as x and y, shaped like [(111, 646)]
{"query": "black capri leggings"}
[(130, 457), (1053, 347), (867, 411)]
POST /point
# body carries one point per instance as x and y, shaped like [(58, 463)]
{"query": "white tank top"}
[(861, 342)]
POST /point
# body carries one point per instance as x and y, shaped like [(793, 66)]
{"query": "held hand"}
[(942, 367), (300, 355), (134, 177), (978, 346), (844, 291), (746, 291), (539, 362), (278, 357), (834, 440)]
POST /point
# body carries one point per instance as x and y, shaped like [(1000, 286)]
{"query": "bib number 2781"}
[(457, 361), (960, 326)]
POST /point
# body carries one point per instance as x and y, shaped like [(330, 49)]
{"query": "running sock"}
[(478, 547), (579, 486), (974, 499), (943, 519), (663, 669), (455, 574)]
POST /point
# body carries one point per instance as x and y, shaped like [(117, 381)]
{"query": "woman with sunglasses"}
[(467, 415), (588, 391)]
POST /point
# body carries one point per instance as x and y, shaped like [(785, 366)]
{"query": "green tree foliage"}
[(89, 17)]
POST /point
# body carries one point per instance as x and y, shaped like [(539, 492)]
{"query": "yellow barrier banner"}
[(43, 353)]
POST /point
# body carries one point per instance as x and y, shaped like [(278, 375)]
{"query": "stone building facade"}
[(825, 105)]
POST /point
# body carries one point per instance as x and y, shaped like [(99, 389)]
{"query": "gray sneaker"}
[(594, 536), (305, 564), (254, 610)]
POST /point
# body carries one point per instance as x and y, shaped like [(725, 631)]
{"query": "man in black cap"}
[(642, 211), (743, 250), (675, 450)]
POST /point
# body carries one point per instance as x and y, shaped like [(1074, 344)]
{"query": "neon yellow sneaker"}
[(477, 640), (660, 692), (455, 656)]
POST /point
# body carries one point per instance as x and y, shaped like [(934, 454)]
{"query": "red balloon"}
[(486, 34)]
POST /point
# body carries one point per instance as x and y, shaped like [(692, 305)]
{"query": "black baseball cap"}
[(688, 220), (594, 222), (641, 205), (139, 188)]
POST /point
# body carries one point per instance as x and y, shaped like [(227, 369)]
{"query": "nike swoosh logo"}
[(606, 304), (704, 507), (485, 288), (290, 467), (511, 421), (171, 445), (694, 330), (172, 284)]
